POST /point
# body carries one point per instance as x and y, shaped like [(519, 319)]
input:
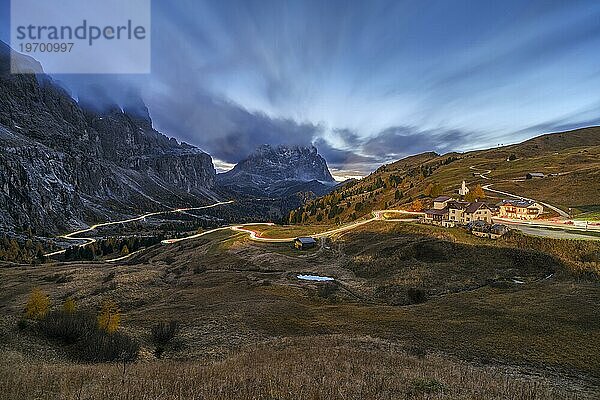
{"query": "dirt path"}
[(481, 174)]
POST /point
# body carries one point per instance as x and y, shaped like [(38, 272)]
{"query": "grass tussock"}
[(308, 368)]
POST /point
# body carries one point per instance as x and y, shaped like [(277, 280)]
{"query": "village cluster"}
[(477, 215)]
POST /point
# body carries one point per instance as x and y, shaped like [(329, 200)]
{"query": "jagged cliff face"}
[(63, 164), (280, 171), (283, 162)]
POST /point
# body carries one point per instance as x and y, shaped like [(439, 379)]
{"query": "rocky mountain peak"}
[(277, 163), (266, 150), (135, 108), (277, 171)]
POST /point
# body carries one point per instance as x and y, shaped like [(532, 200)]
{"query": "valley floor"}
[(414, 312)]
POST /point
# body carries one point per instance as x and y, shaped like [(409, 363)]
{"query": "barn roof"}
[(306, 240), (458, 205)]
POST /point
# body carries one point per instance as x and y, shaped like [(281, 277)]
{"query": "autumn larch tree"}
[(38, 304), (109, 317)]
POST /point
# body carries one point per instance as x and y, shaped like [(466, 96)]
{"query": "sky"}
[(366, 82)]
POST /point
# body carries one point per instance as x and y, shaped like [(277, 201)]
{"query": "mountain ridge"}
[(64, 166)]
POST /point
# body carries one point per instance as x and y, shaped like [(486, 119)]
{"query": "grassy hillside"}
[(573, 159), (404, 294)]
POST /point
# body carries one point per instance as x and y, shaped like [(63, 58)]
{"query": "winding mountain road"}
[(89, 240), (488, 187), (554, 208), (378, 215), (482, 175)]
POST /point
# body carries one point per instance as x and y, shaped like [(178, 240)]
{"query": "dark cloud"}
[(558, 125), (365, 155), (97, 98), (397, 142), (348, 136), (346, 153), (226, 130), (188, 112)]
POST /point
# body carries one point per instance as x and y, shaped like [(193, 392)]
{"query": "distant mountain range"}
[(65, 164), (280, 172)]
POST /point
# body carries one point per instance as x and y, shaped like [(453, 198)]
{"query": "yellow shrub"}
[(38, 304), (69, 306), (109, 316), (417, 205)]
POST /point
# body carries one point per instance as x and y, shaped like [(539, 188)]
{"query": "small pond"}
[(314, 278)]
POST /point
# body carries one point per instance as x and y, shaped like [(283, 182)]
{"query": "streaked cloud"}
[(366, 82)]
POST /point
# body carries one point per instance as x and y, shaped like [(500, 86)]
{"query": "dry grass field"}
[(414, 312), (295, 368)]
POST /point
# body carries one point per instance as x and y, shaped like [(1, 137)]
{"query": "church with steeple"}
[(463, 190)]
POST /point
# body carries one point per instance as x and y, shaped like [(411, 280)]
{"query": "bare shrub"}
[(417, 295), (416, 351), (91, 343), (163, 334), (67, 327), (22, 324), (109, 277), (100, 346), (198, 269), (327, 290)]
